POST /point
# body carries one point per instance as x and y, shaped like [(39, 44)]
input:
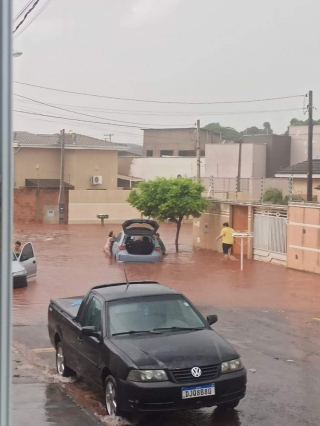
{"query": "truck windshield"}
[(165, 313)]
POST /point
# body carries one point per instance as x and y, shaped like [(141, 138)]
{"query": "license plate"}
[(198, 391)]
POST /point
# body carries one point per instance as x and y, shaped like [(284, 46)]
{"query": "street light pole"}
[(6, 196)]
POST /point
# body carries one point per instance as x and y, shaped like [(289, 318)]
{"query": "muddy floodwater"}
[(271, 315), (71, 259)]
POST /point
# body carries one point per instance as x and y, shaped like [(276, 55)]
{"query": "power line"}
[(94, 116), (85, 121), (156, 101), (35, 17), (166, 114), (23, 10), (26, 15)]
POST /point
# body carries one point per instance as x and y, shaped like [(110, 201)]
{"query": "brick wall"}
[(29, 203)]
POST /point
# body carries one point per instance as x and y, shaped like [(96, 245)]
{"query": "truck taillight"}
[(158, 249), (121, 248)]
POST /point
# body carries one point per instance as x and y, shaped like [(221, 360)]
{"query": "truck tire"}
[(62, 368), (110, 397)]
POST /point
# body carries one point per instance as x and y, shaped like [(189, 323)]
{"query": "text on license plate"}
[(198, 391)]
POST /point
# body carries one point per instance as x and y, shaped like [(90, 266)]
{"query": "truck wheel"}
[(110, 397), (228, 406), (62, 369)]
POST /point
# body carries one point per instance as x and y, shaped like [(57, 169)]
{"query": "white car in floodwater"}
[(24, 267)]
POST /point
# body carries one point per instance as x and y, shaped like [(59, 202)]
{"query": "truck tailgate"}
[(69, 305)]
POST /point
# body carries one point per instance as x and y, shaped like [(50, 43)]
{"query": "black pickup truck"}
[(147, 347)]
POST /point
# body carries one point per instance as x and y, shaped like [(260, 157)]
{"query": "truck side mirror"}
[(212, 319), (91, 331)]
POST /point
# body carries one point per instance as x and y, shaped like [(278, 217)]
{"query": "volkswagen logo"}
[(196, 371)]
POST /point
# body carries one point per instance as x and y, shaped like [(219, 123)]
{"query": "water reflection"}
[(205, 417)]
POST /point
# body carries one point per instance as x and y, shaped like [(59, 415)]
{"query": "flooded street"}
[(270, 314)]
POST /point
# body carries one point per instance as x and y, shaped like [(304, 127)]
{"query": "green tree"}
[(267, 128), (275, 196), (226, 132), (171, 199)]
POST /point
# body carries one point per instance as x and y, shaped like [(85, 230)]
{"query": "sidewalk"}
[(37, 401)]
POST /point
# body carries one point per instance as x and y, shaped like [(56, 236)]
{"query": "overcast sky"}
[(166, 50)]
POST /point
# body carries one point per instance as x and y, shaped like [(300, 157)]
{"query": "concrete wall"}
[(151, 168), (124, 164), (299, 143), (209, 225), (222, 160), (304, 238), (175, 139), (80, 165), (38, 205), (300, 188), (278, 151), (84, 206)]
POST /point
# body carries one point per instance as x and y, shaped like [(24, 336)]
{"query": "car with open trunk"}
[(137, 242)]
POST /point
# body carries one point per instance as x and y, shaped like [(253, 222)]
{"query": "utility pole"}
[(239, 166), (6, 211), (110, 136), (198, 151), (310, 139), (61, 192)]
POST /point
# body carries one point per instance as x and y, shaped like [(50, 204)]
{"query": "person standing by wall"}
[(227, 241)]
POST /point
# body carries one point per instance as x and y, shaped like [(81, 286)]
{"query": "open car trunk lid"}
[(140, 227)]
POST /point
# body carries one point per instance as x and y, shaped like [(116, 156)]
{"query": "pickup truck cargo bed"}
[(69, 305)]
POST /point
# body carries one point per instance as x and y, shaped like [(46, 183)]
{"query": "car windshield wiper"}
[(179, 328), (136, 332)]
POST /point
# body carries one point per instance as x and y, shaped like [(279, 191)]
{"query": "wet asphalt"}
[(270, 314)]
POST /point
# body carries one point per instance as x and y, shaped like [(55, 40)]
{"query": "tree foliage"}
[(275, 196), (172, 199), (226, 132), (232, 134)]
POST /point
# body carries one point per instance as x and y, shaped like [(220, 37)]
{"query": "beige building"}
[(222, 160), (298, 174), (176, 142), (299, 143), (90, 164)]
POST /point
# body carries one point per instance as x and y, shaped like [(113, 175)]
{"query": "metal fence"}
[(255, 187), (270, 232)]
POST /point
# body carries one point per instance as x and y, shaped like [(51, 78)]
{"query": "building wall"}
[(80, 165), (151, 168), (175, 140), (208, 226), (240, 222), (84, 206), (277, 151), (304, 238), (34, 163), (300, 188), (124, 164), (37, 205), (222, 160), (299, 143)]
